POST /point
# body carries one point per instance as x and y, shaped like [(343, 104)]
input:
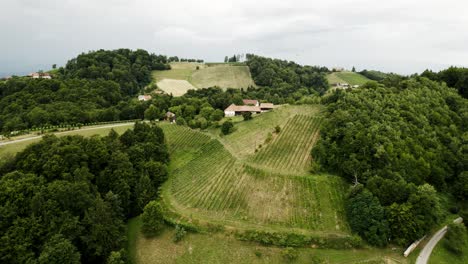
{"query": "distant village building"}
[(144, 97), (251, 102), (338, 69), (342, 85), (40, 75)]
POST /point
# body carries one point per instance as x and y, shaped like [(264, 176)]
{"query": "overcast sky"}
[(403, 36)]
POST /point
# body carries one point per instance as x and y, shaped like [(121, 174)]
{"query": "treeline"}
[(454, 77), (27, 103), (130, 69), (234, 58), (66, 200), (287, 77), (93, 87), (403, 146), (374, 75)]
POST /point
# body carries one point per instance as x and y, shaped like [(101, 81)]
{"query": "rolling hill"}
[(266, 190), (351, 78), (184, 76)]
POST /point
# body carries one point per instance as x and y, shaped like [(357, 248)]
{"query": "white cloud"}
[(402, 36)]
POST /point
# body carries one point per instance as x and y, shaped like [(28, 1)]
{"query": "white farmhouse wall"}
[(229, 113)]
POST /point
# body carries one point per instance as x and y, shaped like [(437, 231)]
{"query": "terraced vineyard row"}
[(290, 151), (208, 181), (183, 137)]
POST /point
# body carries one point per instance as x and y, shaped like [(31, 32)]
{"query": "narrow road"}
[(423, 257), (65, 132)]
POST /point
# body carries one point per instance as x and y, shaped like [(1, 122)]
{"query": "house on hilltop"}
[(144, 97), (40, 75), (234, 110)]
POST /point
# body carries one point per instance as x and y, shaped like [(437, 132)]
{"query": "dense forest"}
[(404, 147), (95, 86), (66, 200), (454, 77), (287, 77)]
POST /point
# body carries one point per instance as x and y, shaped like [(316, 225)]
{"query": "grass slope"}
[(352, 78), (440, 255), (12, 149), (289, 152), (184, 76), (249, 135), (209, 184), (221, 248), (175, 87), (223, 76)]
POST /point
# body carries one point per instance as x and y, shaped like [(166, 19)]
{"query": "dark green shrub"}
[(227, 127), (456, 239), (152, 219), (179, 233), (247, 116), (289, 253)]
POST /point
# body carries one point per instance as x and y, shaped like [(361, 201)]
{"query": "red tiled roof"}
[(250, 102), (243, 108)]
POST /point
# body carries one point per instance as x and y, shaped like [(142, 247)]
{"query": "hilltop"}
[(352, 78), (184, 76)]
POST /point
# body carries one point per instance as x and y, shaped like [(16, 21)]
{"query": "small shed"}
[(171, 117), (266, 107)]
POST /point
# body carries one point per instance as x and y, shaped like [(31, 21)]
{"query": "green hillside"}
[(351, 78), (209, 184), (12, 149), (185, 75), (221, 183)]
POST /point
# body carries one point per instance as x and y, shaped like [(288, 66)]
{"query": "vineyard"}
[(207, 182), (290, 151)]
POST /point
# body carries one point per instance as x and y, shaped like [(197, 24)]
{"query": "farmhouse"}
[(342, 85), (37, 75), (233, 110), (144, 97)]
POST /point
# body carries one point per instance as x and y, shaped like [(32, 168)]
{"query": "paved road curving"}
[(65, 132), (423, 257)]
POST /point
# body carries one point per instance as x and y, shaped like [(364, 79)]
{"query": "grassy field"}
[(440, 255), (208, 183), (184, 76), (223, 76), (175, 87), (222, 248), (351, 78), (12, 149)]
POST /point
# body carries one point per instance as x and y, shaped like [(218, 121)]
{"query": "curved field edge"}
[(204, 216), (185, 76), (224, 248)]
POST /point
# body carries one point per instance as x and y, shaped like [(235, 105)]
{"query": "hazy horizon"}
[(397, 36)]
